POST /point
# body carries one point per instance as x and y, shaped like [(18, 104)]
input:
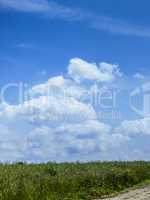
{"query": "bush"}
[(74, 181)]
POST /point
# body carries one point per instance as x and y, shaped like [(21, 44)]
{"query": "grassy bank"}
[(53, 181)]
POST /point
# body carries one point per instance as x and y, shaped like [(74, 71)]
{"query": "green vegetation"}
[(72, 181)]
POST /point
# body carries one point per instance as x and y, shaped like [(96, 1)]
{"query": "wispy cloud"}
[(116, 26), (26, 5), (24, 46), (54, 10)]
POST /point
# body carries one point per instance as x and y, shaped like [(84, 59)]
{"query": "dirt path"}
[(138, 194)]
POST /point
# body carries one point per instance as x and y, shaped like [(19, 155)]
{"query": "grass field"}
[(72, 181)]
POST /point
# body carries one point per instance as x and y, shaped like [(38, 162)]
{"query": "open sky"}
[(84, 66)]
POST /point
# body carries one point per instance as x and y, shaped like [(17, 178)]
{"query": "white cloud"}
[(65, 128), (134, 127), (43, 73), (139, 76), (26, 5), (87, 127), (51, 9), (54, 10), (59, 86), (52, 109), (118, 26), (81, 70), (54, 126), (25, 46)]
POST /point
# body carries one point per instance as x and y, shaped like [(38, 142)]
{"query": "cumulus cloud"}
[(58, 121), (55, 120), (56, 132), (139, 76), (132, 127), (58, 86), (61, 145), (136, 137), (81, 70)]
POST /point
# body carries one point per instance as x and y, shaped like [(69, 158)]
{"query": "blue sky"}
[(75, 46), (31, 41)]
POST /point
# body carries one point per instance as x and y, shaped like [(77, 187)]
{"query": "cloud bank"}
[(59, 122)]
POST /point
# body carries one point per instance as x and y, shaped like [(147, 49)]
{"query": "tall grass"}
[(66, 181)]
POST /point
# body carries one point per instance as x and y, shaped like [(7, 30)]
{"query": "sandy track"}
[(138, 194)]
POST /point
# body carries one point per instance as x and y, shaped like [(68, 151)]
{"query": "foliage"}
[(69, 181)]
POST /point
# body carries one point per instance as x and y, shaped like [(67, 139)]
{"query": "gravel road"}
[(138, 194)]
